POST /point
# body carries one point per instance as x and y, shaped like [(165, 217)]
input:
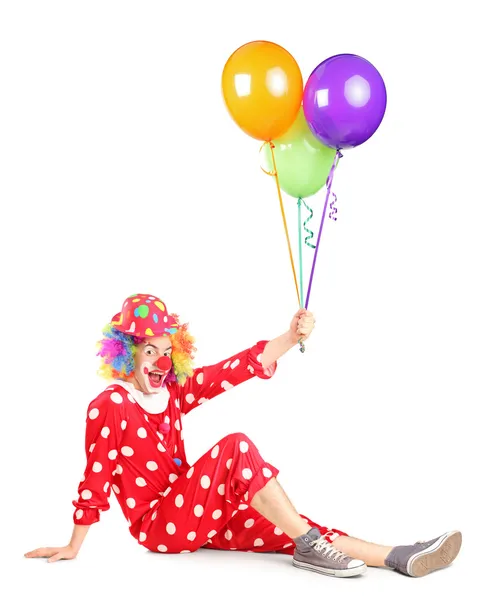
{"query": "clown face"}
[(152, 364)]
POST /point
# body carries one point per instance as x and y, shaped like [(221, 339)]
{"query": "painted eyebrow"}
[(156, 348)]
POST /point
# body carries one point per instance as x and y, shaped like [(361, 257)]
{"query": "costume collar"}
[(151, 403)]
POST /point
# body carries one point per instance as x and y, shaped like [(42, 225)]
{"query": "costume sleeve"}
[(208, 382), (103, 426)]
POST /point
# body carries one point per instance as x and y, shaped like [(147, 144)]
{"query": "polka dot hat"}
[(144, 316)]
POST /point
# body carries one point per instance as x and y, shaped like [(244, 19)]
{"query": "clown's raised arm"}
[(208, 382)]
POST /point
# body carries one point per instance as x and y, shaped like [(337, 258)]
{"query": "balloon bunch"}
[(304, 131)]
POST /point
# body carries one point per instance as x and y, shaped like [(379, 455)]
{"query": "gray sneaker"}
[(424, 557), (314, 553)]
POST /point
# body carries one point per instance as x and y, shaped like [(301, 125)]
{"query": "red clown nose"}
[(164, 363)]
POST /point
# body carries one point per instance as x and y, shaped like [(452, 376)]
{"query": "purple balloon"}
[(344, 101)]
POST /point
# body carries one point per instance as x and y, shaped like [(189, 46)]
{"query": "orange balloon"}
[(263, 88)]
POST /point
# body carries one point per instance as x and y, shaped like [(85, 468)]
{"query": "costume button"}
[(178, 461), (164, 427)]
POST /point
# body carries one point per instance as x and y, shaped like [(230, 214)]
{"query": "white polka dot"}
[(244, 447), (202, 400), (191, 536), (97, 467), (141, 432), (79, 513), (154, 515), (199, 378), (251, 369), (127, 451), (106, 486), (116, 397), (217, 514), (212, 533), (198, 510), (189, 398), (123, 424), (226, 385), (105, 432), (154, 502), (86, 494), (130, 397), (146, 418), (205, 482), (176, 402), (227, 364), (235, 364), (152, 466), (287, 545), (167, 419), (259, 542), (112, 455), (115, 488), (131, 502), (173, 477), (179, 500), (159, 434), (162, 548), (142, 536), (267, 472), (248, 523), (140, 481), (229, 462), (242, 507), (246, 496), (214, 452), (277, 531), (221, 489), (177, 424), (234, 513), (119, 469), (91, 447), (247, 474), (259, 358), (185, 551), (160, 447), (228, 534), (190, 472), (182, 435), (166, 491), (94, 412), (83, 478), (171, 528)]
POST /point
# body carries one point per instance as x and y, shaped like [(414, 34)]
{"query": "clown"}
[(230, 498)]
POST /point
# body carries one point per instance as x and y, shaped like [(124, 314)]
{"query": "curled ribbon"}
[(308, 231), (333, 208)]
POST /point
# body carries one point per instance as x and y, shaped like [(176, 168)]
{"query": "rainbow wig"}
[(117, 351)]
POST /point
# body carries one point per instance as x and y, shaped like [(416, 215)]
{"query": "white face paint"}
[(152, 364)]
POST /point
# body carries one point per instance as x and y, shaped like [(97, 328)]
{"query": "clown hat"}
[(144, 316)]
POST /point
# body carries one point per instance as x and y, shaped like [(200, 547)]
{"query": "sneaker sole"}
[(438, 556), (331, 572)]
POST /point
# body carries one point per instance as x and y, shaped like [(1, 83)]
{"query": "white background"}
[(122, 173)]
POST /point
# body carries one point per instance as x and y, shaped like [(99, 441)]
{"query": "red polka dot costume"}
[(135, 447)]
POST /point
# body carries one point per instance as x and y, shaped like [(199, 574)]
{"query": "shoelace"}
[(327, 550)]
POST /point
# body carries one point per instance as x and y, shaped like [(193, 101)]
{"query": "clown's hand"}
[(302, 325)]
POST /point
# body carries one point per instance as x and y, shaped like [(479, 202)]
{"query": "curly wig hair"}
[(117, 351)]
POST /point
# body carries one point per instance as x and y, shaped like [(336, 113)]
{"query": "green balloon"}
[(303, 163)]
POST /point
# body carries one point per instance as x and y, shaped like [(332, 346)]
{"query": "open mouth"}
[(155, 378)]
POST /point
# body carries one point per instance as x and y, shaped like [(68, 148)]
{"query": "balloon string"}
[(329, 183), (308, 231), (300, 200), (333, 208), (274, 174)]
